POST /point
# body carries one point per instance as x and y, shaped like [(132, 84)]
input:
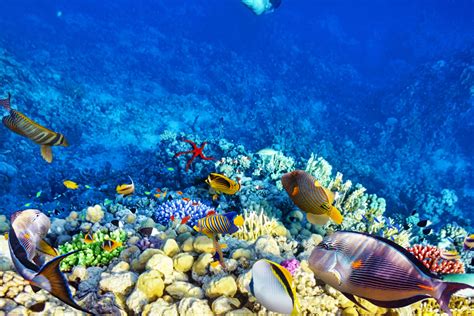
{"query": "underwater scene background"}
[(374, 99)]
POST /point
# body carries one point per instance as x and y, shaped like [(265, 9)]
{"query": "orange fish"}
[(111, 245), (179, 193), (186, 199), (89, 238), (157, 195)]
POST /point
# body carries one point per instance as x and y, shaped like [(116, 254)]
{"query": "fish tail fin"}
[(6, 103), (335, 215), (52, 280), (447, 290)]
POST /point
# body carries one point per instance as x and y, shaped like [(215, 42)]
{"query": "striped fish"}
[(24, 126), (221, 184), (272, 286), (308, 194), (468, 243), (378, 270), (110, 245), (219, 224)]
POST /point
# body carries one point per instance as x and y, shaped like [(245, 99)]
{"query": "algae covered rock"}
[(203, 244), (161, 263), (118, 283), (190, 306), (221, 286), (187, 245), (180, 289), (160, 307), (201, 264), (151, 284), (136, 301), (225, 304), (183, 262), (140, 263), (267, 247), (170, 247)]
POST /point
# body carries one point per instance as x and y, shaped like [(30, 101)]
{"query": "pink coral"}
[(430, 256), (291, 265)]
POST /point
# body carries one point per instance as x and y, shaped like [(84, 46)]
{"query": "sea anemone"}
[(179, 209)]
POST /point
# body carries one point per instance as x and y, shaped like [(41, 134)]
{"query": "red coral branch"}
[(430, 256)]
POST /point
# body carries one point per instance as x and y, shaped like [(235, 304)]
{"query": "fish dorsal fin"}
[(47, 153), (405, 252), (15, 215), (50, 277), (230, 216)]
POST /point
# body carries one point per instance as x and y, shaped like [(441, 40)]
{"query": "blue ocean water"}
[(382, 89)]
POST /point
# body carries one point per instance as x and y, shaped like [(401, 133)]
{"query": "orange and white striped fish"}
[(24, 126), (126, 189), (308, 194)]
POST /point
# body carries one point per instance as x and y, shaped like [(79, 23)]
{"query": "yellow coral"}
[(259, 224)]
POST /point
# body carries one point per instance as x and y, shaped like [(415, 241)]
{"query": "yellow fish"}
[(221, 184), (449, 254), (70, 184), (111, 245), (126, 189)]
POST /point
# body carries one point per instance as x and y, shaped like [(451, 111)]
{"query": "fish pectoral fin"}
[(35, 288), (336, 276), (352, 298), (47, 153), (46, 248), (51, 279), (295, 191), (27, 244), (317, 219)]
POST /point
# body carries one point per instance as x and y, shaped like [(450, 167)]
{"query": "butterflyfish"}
[(272, 285), (378, 270), (47, 276), (70, 184), (126, 189), (19, 123), (449, 254), (308, 194), (110, 245), (222, 184)]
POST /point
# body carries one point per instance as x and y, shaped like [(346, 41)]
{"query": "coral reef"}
[(430, 256), (91, 254), (180, 209)]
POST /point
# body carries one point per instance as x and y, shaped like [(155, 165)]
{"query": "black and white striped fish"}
[(24, 126)]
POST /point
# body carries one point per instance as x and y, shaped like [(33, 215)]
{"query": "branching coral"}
[(430, 256), (320, 169), (179, 209), (91, 254), (259, 224)]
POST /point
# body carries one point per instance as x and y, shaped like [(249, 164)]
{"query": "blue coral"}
[(180, 209)]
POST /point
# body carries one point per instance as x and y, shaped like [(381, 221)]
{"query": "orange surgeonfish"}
[(48, 276), (24, 126), (312, 198)]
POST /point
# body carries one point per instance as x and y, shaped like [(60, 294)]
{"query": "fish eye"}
[(324, 246)]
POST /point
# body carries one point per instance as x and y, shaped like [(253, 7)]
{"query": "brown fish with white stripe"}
[(378, 270), (24, 126)]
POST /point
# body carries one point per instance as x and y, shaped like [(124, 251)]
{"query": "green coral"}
[(91, 254)]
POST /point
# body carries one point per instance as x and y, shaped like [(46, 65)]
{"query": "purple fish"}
[(378, 270)]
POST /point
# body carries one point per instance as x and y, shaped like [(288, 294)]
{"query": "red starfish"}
[(196, 152)]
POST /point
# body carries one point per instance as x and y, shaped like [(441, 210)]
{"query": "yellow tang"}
[(70, 184), (222, 184)]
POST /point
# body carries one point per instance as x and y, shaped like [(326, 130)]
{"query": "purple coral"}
[(179, 209), (291, 265), (150, 242)]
